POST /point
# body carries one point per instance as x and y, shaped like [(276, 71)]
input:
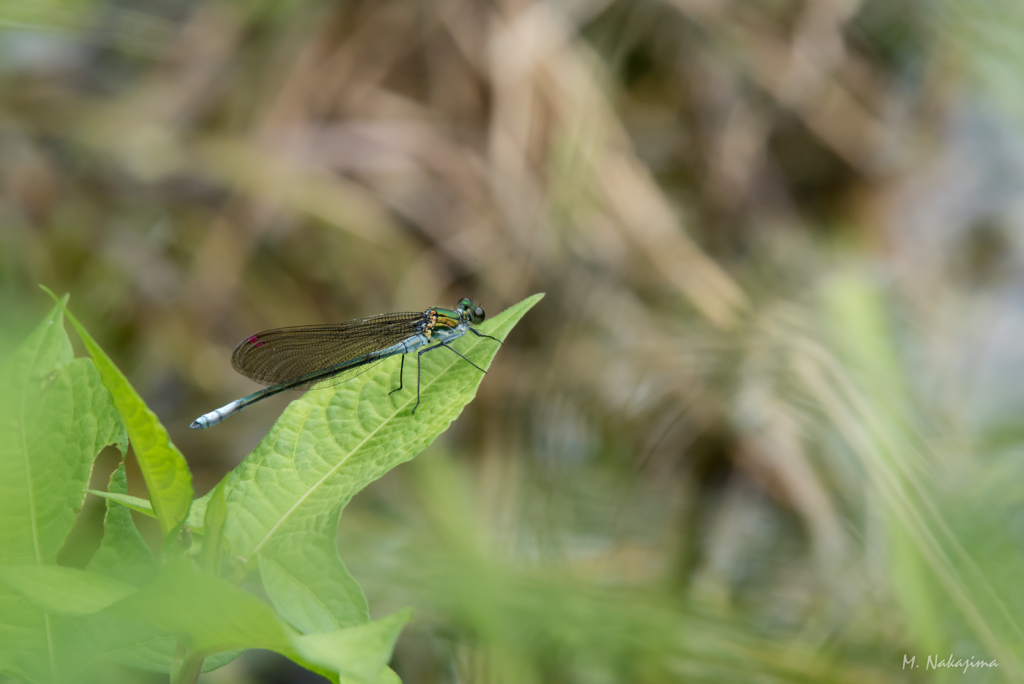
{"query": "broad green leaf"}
[(314, 601), (65, 591), (168, 479), (55, 416), (285, 499), (123, 553)]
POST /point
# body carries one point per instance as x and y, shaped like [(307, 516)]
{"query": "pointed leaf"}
[(168, 479), (285, 499), (360, 653)]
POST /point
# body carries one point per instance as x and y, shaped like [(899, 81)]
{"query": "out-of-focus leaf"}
[(207, 614), (210, 616), (931, 567), (154, 652), (65, 591), (359, 653)]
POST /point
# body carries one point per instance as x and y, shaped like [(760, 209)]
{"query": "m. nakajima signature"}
[(936, 662)]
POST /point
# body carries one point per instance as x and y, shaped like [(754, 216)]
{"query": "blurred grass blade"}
[(933, 571)]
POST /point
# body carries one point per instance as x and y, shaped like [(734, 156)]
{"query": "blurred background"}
[(764, 427)]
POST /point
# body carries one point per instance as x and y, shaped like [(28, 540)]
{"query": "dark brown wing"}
[(283, 355)]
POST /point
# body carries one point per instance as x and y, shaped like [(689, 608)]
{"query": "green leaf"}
[(213, 529), (206, 613), (133, 502), (55, 416), (123, 554), (154, 652), (65, 591), (151, 651), (285, 499), (210, 616), (168, 479), (360, 653), (311, 587)]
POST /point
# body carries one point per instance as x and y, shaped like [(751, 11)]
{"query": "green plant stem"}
[(191, 666)]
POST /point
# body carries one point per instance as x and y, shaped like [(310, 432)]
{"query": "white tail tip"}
[(213, 417)]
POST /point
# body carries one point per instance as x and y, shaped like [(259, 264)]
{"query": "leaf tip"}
[(60, 300)]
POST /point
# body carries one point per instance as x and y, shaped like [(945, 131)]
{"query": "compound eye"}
[(465, 304), (478, 315)]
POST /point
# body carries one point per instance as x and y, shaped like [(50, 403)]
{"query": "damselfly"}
[(315, 356)]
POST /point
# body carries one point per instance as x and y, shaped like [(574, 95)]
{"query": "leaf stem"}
[(191, 664)]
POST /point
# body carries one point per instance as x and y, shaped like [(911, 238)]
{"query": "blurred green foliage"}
[(765, 425)]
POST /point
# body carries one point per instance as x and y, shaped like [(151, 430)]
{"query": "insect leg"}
[(400, 378), (480, 334), (419, 354), (445, 345)]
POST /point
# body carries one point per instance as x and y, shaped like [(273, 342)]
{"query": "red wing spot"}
[(255, 341)]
